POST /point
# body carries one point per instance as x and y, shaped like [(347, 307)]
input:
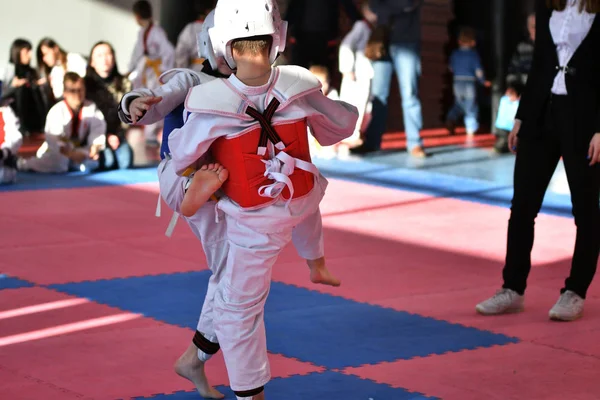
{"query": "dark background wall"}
[(442, 20)]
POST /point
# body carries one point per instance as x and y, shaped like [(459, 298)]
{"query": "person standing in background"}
[(153, 54), (402, 20), (187, 50)]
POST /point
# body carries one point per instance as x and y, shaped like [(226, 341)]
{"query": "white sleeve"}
[(54, 128), (330, 121), (173, 93), (138, 52), (12, 136), (185, 47), (190, 142), (97, 134), (348, 49)]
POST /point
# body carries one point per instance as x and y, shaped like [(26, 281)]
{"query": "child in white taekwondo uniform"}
[(356, 67), (145, 106), (187, 53), (153, 54), (255, 124), (75, 133), (10, 143)]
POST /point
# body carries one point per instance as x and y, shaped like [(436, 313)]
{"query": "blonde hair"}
[(320, 70), (254, 45)]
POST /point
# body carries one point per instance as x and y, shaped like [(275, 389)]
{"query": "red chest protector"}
[(2, 133), (247, 156)]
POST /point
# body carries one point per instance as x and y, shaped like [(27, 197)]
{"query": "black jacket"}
[(403, 17), (582, 80), (320, 16)]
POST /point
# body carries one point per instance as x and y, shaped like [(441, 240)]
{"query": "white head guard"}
[(205, 48), (238, 19)]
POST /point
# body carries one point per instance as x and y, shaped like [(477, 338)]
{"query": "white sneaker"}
[(504, 302), (569, 307)]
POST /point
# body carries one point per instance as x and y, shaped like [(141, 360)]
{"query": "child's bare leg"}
[(191, 368), (320, 274), (206, 181)]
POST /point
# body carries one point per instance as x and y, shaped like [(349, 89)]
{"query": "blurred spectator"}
[(21, 88), (402, 22), (522, 58), (54, 62), (467, 71), (105, 86), (314, 30), (356, 68), (75, 135), (10, 143), (186, 52)]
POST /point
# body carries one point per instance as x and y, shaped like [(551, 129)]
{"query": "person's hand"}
[(42, 81), (18, 82), (78, 157), (350, 75), (487, 84), (139, 106), (512, 137), (594, 150), (94, 152)]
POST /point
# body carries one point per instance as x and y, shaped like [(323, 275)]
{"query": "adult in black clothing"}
[(559, 116), (105, 86), (314, 27), (20, 87)]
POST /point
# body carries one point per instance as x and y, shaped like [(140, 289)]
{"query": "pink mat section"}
[(80, 363), (397, 249), (515, 372)]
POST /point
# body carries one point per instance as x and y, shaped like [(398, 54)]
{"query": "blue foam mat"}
[(325, 386), (363, 171), (435, 184), (7, 282), (32, 181), (314, 327)]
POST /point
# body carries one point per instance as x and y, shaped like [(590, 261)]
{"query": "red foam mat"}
[(81, 362), (513, 372), (89, 261)]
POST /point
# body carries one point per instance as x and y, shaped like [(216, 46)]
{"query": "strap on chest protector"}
[(280, 167)]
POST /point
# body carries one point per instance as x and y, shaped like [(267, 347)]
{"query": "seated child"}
[(75, 134), (10, 143), (507, 110)]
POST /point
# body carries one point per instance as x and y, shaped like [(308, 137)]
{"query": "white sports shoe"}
[(569, 307), (504, 302)]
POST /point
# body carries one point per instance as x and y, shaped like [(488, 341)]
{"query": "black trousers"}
[(537, 158)]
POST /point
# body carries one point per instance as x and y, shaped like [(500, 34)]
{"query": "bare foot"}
[(206, 181), (191, 368), (320, 274)]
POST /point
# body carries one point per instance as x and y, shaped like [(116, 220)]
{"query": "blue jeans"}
[(406, 62), (121, 158), (465, 104)]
